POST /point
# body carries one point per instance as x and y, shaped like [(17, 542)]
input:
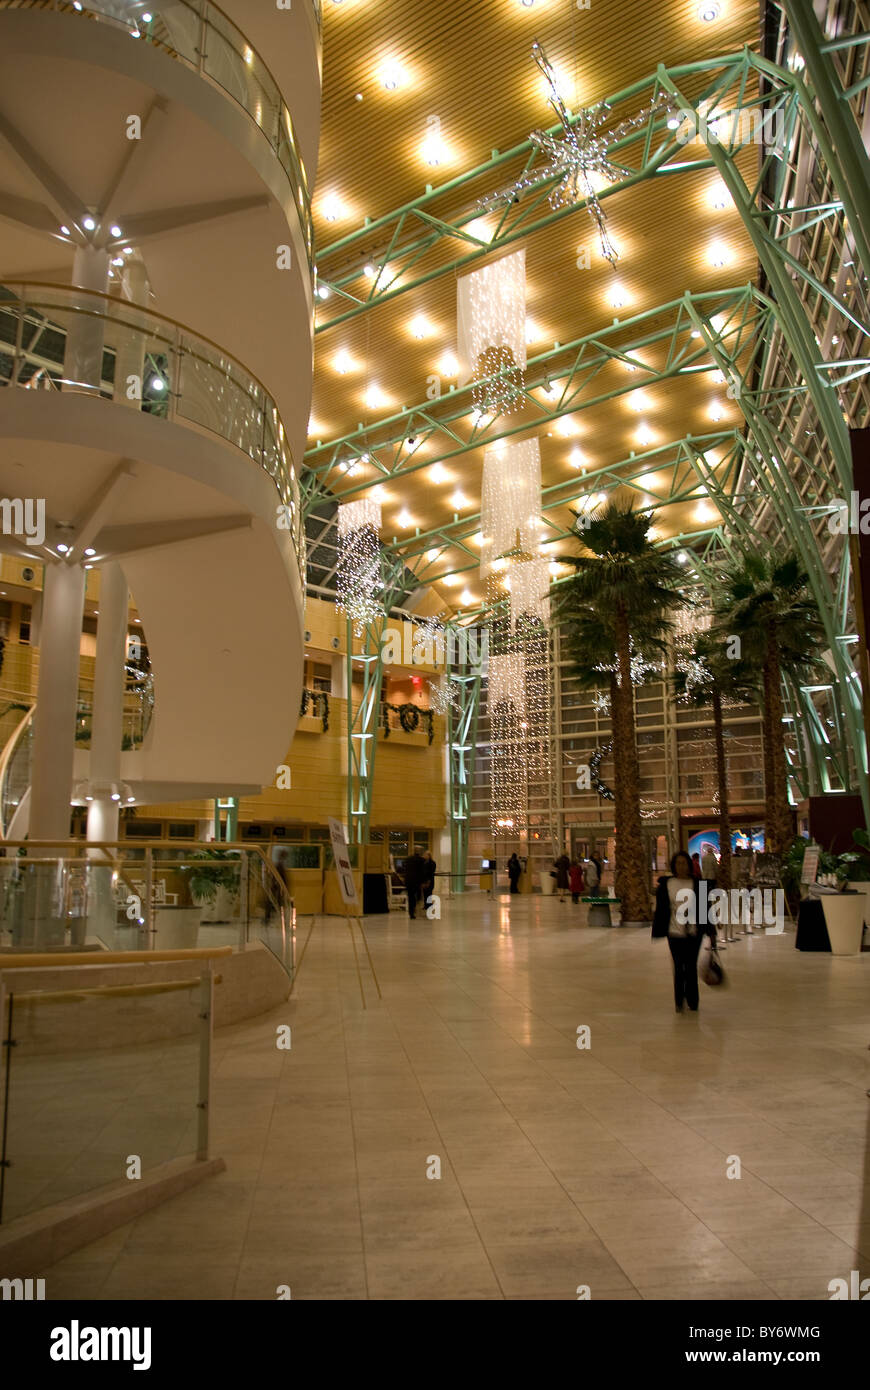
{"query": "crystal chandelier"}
[(519, 690), (492, 331), (358, 580)]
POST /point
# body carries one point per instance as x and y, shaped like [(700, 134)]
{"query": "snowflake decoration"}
[(579, 155)]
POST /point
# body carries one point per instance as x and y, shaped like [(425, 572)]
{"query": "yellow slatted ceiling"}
[(469, 64)]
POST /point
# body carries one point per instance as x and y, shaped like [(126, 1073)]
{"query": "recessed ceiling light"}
[(458, 501), (158, 384), (709, 12), (682, 557), (431, 555), (115, 229), (448, 365), (718, 253), (128, 250), (391, 76), (696, 333), (644, 435), (719, 196), (88, 223), (404, 519), (343, 362), (434, 149), (63, 548), (332, 208), (466, 597), (323, 291), (369, 270), (577, 458), (65, 230), (90, 550), (716, 410), (420, 327), (439, 474), (375, 397), (117, 260), (618, 296)]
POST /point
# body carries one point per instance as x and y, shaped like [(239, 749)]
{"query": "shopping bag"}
[(710, 968)]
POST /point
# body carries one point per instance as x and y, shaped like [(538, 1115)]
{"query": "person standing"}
[(562, 865), (414, 874), (676, 917), (429, 867), (575, 879), (514, 868), (709, 865), (593, 875)]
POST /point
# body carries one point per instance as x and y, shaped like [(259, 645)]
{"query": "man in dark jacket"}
[(429, 867), (415, 877)]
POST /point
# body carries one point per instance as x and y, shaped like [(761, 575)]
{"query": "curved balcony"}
[(184, 378), (205, 39)]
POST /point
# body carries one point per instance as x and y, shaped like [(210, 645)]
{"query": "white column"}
[(130, 348), (54, 723), (83, 358)]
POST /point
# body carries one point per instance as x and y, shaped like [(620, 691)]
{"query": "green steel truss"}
[(793, 350), (363, 715)]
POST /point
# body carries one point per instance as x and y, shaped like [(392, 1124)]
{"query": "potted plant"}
[(856, 864), (214, 883)]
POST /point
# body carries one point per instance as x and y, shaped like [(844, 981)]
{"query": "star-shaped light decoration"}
[(579, 155)]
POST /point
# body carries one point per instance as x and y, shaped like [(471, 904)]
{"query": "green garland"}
[(315, 698), (409, 718)]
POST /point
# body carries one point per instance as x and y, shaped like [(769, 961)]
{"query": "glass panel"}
[(81, 1099)]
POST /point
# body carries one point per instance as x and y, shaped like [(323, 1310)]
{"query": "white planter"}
[(864, 890), (548, 885), (844, 918)]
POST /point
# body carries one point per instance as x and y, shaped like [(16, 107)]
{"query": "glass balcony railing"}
[(141, 896), (203, 38), (55, 337), (77, 1096)]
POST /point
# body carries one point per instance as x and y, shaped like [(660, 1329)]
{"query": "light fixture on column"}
[(358, 581), (492, 331)]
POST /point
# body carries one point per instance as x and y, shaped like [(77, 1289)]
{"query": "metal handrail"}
[(173, 336), (9, 752), (240, 45)]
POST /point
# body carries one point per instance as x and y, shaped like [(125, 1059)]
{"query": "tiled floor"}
[(604, 1167)]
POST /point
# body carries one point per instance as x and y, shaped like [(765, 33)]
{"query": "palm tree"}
[(587, 644), (765, 602), (628, 586), (703, 678)]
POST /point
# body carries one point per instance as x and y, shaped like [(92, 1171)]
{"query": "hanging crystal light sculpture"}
[(358, 579), (492, 332)]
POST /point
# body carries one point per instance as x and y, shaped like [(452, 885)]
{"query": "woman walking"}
[(562, 865), (575, 879), (676, 917), (514, 868)]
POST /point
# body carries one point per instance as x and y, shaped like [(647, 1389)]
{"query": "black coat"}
[(662, 915), (415, 871)]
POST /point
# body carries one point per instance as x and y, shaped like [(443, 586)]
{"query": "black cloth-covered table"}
[(812, 933)]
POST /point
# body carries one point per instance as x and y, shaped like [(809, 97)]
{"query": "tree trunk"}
[(634, 875), (618, 805), (779, 828), (724, 880)]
